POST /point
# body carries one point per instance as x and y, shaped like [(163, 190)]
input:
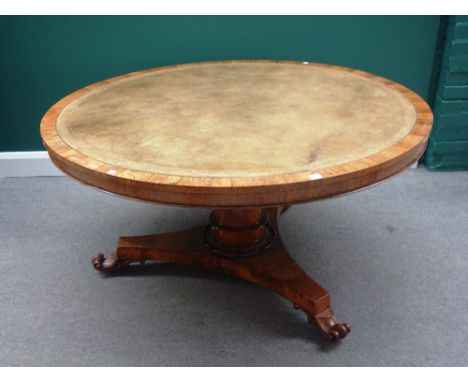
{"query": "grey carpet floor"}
[(394, 257)]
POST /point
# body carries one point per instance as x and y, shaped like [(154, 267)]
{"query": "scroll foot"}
[(109, 264), (329, 327)]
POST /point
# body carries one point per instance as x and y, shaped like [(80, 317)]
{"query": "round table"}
[(245, 138)]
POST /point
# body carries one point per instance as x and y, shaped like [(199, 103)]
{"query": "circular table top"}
[(237, 133)]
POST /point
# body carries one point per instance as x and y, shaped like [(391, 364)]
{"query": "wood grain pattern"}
[(240, 191)]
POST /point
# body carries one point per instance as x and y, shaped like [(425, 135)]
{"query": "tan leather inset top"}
[(236, 119)]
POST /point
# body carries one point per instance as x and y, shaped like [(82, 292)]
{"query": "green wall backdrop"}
[(42, 58)]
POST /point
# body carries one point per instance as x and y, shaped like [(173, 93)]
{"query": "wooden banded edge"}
[(261, 196), (241, 191)]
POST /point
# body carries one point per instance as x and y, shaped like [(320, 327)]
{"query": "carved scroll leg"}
[(320, 314), (276, 270), (315, 302), (138, 249)]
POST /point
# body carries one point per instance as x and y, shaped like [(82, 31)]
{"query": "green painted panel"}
[(43, 58), (448, 144), (454, 92), (452, 134), (445, 121), (449, 78), (461, 30), (448, 156), (457, 63), (450, 107), (453, 147), (460, 46)]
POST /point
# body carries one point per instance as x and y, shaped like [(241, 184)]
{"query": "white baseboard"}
[(36, 163), (27, 163)]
